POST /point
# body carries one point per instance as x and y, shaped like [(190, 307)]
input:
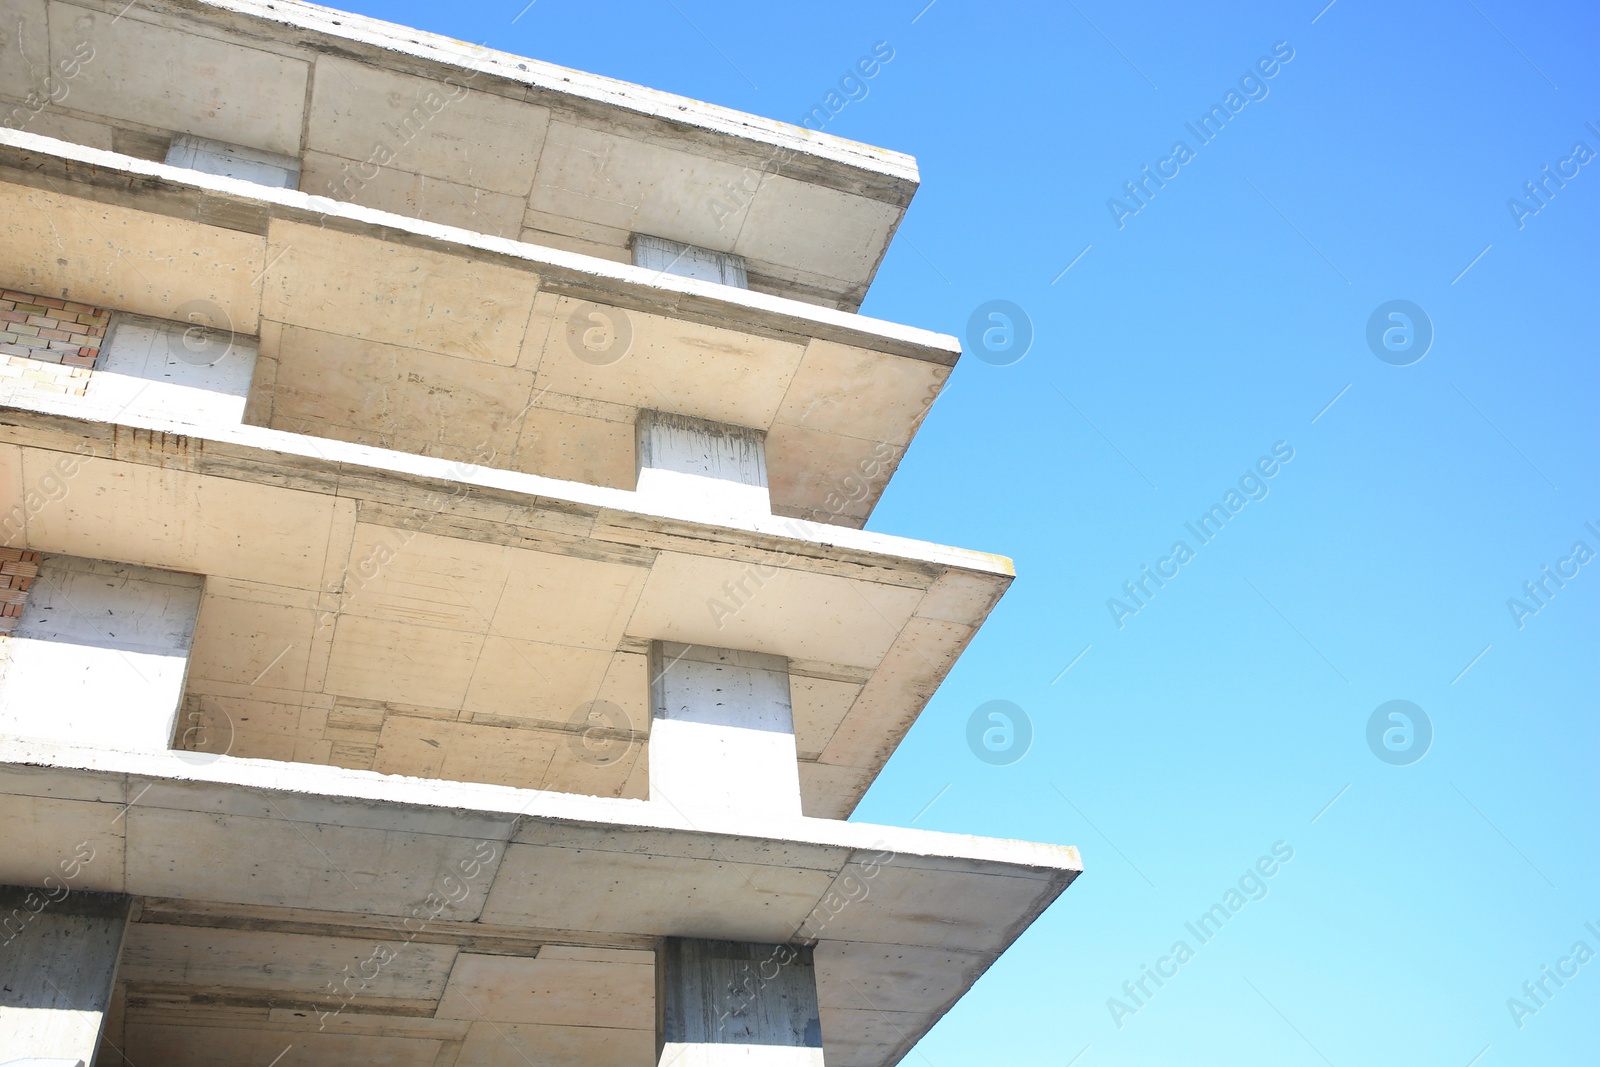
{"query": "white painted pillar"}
[(722, 731), (233, 161), (727, 1003), (689, 261), (99, 654), (706, 470), (58, 967)]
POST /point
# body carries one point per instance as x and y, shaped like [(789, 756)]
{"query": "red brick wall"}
[(47, 344), (17, 571)]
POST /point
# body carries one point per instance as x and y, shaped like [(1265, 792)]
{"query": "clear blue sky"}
[(1221, 319)]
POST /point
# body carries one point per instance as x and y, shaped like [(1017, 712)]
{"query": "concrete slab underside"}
[(345, 297), (320, 865), (467, 135), (350, 618)]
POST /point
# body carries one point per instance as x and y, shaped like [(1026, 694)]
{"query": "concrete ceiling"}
[(260, 883), (467, 136), (406, 335)]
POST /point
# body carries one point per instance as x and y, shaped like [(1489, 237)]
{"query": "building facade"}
[(437, 627)]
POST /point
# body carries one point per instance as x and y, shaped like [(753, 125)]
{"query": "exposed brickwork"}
[(47, 344), (17, 571)]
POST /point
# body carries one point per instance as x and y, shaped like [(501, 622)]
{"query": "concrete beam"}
[(58, 966), (722, 731), (734, 1002)]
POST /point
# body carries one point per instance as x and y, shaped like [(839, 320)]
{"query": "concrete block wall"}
[(49, 345)]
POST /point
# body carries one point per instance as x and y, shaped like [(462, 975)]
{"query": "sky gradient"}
[(1214, 321)]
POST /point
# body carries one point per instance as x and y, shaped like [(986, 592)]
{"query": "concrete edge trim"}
[(388, 37), (1006, 857), (334, 456)]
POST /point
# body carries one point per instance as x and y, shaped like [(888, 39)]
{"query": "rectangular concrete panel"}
[(183, 82), (24, 21), (612, 989), (116, 257), (492, 1044), (58, 966), (443, 129), (359, 286), (322, 971), (699, 600), (653, 360), (187, 1045)]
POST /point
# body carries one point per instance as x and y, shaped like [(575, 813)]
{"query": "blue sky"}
[(1225, 317)]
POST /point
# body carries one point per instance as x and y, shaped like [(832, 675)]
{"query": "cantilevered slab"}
[(410, 335), (409, 615), (408, 121), (321, 861)]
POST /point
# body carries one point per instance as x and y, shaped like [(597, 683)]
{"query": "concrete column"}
[(726, 1003), (708, 470), (58, 966), (722, 731), (689, 261), (234, 161), (99, 654)]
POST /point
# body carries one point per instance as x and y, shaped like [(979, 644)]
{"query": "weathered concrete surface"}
[(738, 1004), (722, 731), (710, 470), (409, 592), (174, 370), (101, 651), (411, 335), (410, 122), (689, 261), (274, 872), (399, 613), (58, 967), (234, 161)]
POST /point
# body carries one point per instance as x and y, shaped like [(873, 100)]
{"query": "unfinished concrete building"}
[(438, 624)]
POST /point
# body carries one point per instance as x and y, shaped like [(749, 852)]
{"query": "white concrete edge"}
[(536, 74), (942, 347), (604, 498), (392, 792)]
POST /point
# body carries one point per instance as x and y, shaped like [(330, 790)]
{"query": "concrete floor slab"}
[(357, 852)]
